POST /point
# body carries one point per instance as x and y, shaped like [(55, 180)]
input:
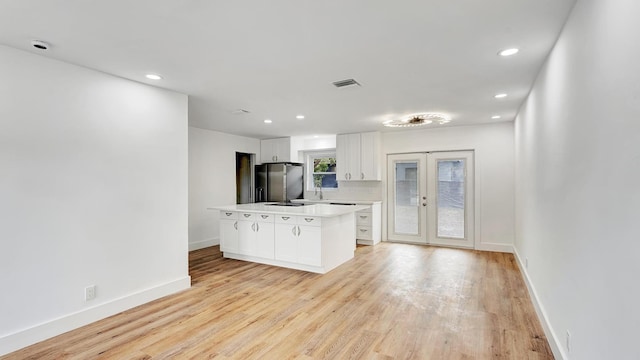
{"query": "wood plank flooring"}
[(392, 301)]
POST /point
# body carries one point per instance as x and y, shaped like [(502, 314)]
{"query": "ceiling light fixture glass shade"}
[(508, 52), (418, 120), (268, 121), (500, 96), (154, 76), (300, 117)]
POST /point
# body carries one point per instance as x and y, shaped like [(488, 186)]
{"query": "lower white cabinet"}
[(228, 231), (303, 242), (300, 244), (255, 235)]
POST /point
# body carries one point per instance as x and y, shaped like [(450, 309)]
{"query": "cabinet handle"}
[(264, 216), (257, 227), (246, 215), (293, 231), (228, 214), (346, 176), (253, 226), (235, 225), (363, 230), (363, 217), (308, 219), (285, 218), (298, 230), (361, 176)]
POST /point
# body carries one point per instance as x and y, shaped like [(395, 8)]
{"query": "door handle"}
[(235, 225), (298, 230), (346, 176), (361, 176), (257, 227), (293, 231), (285, 218), (253, 226), (424, 203)]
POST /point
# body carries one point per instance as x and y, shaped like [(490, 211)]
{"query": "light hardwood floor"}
[(393, 301)]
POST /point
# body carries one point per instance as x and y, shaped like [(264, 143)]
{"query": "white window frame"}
[(309, 156)]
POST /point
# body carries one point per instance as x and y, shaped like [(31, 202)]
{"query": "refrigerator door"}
[(276, 182), (295, 182)]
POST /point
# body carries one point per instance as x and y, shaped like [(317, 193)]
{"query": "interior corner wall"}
[(577, 178), (494, 173), (93, 185), (212, 180)]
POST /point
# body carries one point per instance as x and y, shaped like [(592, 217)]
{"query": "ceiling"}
[(278, 58)]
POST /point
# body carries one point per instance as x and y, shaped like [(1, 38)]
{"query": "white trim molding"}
[(29, 336), (197, 245)]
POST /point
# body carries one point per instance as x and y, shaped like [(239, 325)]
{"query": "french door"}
[(430, 198)]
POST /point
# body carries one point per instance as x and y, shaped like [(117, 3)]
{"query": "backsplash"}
[(352, 190)]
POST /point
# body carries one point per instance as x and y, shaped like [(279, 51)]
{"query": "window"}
[(321, 170)]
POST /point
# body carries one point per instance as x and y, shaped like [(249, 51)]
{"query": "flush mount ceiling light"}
[(508, 52), (418, 120), (500, 96), (153, 76), (299, 117), (268, 121), (496, 117)]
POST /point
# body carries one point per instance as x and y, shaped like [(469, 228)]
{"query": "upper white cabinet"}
[(358, 157), (275, 150)]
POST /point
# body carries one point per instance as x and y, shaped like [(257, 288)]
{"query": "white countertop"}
[(328, 201), (320, 210)]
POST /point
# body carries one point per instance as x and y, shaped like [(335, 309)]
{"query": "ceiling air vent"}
[(345, 83), (240, 112)]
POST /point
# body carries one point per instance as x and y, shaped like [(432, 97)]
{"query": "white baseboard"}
[(556, 348), (505, 248), (49, 329), (196, 245)]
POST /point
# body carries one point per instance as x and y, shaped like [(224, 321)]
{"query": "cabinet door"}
[(354, 157), (275, 150), (348, 157), (309, 246), (282, 149), (285, 242), (265, 240), (246, 237), (229, 235), (370, 156), (267, 151)]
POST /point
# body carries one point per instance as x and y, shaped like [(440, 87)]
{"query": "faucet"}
[(316, 192)]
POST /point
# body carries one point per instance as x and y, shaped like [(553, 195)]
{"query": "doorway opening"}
[(244, 178)]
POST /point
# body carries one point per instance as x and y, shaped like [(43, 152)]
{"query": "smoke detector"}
[(40, 45), (418, 120)]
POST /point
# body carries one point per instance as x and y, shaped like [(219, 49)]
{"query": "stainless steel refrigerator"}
[(279, 182)]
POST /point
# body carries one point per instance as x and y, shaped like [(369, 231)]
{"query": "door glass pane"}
[(450, 211), (407, 205)]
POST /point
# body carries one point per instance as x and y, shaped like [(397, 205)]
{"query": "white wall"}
[(494, 169), (93, 191), (578, 156), (212, 180)]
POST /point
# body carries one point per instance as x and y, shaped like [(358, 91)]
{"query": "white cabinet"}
[(369, 224), (256, 235), (275, 150), (229, 231), (298, 240), (358, 157)]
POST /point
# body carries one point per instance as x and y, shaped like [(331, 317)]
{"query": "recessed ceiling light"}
[(268, 121), (496, 117), (500, 96), (299, 117), (153, 76), (508, 52)]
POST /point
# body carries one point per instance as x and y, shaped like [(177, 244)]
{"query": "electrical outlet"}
[(90, 292), (526, 263), (568, 342)]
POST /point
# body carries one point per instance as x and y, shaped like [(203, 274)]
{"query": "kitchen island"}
[(315, 238)]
